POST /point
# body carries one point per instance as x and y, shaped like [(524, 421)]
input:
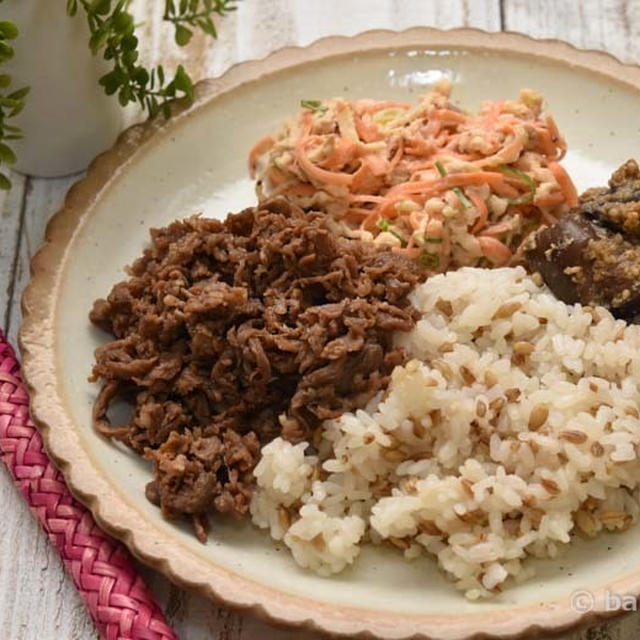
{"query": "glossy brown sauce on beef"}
[(592, 255), (230, 333)]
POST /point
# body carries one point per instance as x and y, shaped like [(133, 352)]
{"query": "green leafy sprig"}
[(187, 15), (112, 31), (11, 103), (315, 106)]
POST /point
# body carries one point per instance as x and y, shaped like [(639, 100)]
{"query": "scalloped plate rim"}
[(36, 339)]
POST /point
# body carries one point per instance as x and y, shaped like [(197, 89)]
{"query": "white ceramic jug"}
[(67, 119)]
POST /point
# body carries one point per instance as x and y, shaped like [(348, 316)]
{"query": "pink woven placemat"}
[(104, 573)]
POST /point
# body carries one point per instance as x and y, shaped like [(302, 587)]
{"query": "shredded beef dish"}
[(228, 334)]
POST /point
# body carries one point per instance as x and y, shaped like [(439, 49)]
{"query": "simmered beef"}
[(229, 333), (592, 255)]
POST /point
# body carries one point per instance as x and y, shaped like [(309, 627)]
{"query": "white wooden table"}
[(37, 598)]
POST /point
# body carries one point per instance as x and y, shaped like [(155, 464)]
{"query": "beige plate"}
[(197, 163)]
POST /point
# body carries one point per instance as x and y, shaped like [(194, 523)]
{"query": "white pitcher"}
[(67, 119)]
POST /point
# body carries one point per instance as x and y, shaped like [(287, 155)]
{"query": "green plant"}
[(11, 103), (113, 33)]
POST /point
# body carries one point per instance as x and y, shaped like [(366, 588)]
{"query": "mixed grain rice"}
[(514, 427)]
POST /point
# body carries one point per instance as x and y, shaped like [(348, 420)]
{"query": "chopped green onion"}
[(431, 260), (383, 225), (440, 167), (530, 197), (466, 203), (434, 240), (314, 105)]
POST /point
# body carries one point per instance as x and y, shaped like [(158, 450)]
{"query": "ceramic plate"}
[(197, 162)]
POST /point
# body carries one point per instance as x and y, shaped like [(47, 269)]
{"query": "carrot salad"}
[(440, 185)]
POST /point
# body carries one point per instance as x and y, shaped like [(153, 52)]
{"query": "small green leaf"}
[(183, 82), (8, 30), (160, 75), (124, 96), (141, 76), (110, 82), (72, 7), (20, 94), (6, 154), (100, 7), (123, 22), (314, 105), (5, 183), (5, 80), (97, 40), (129, 58), (208, 27), (17, 108), (129, 42), (6, 51), (182, 35)]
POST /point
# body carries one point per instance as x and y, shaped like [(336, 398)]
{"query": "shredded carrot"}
[(276, 177), (343, 152), (506, 190), (371, 106), (367, 130), (495, 251), (358, 214), (447, 115), (545, 143), (321, 175), (302, 190), (565, 183), (257, 150), (379, 166), (397, 155), (556, 138), (450, 187), (483, 211), (365, 197), (508, 154), (551, 200), (497, 229), (415, 219)]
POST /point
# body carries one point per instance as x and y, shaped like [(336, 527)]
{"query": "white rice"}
[(514, 427)]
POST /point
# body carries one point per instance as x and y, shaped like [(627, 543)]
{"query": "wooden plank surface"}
[(11, 207), (37, 600)]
